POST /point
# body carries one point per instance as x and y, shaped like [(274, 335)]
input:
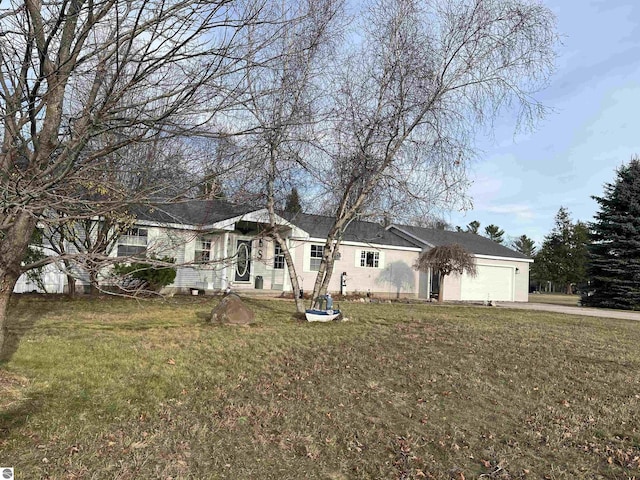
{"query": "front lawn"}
[(126, 389), (555, 299)]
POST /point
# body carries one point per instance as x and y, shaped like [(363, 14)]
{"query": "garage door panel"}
[(493, 282)]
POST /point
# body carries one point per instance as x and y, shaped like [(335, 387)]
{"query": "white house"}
[(218, 245)]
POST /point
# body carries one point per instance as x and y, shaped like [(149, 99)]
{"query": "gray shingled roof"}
[(473, 243), (207, 212), (191, 212), (318, 226)]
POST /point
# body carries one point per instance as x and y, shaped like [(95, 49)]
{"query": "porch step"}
[(254, 292)]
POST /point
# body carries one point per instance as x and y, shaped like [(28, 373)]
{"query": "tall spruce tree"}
[(614, 254), (563, 257)]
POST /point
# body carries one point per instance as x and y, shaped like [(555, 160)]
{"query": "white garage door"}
[(492, 283)]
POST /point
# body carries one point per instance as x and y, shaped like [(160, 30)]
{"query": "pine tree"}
[(494, 233), (525, 246), (563, 257), (614, 254), (293, 202), (472, 227)]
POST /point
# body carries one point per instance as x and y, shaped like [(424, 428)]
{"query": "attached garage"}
[(493, 282), (503, 274)]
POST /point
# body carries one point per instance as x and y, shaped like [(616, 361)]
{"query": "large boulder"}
[(232, 310)]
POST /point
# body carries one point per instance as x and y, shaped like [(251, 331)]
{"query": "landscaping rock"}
[(232, 310)]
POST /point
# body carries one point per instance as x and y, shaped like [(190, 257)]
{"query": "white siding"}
[(53, 279)]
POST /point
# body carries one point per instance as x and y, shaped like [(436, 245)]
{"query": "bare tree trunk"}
[(5, 296), (328, 271), (71, 281), (328, 274), (326, 265), (93, 280), (320, 278), (441, 288), (295, 285), (12, 250), (71, 286), (271, 207)]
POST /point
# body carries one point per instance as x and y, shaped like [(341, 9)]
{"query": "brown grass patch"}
[(12, 389)]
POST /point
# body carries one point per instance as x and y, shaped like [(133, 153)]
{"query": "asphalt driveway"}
[(589, 312)]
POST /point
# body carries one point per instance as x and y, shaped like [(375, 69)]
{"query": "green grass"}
[(122, 389), (555, 299)]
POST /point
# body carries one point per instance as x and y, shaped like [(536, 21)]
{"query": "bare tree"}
[(421, 79), (116, 70), (81, 244), (446, 259), (283, 104)]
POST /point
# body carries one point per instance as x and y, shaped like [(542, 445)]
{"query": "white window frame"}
[(313, 257), (135, 239), (278, 256), (366, 255), (202, 253)]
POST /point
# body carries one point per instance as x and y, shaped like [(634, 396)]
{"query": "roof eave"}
[(417, 239), (499, 257)]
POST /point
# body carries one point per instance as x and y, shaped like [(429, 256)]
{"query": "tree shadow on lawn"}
[(15, 417), (14, 408), (22, 317)]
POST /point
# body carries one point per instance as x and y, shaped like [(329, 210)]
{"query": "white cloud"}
[(521, 212)]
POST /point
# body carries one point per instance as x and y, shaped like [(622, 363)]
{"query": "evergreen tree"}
[(525, 246), (473, 227), (563, 257), (494, 233), (293, 202), (614, 253)]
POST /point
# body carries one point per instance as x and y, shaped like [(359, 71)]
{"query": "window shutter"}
[(357, 259), (381, 262)]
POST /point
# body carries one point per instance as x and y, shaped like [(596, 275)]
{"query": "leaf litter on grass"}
[(401, 391)]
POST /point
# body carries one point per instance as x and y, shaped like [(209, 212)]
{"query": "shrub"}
[(146, 276)]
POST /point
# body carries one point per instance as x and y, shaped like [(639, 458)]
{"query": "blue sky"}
[(520, 182)]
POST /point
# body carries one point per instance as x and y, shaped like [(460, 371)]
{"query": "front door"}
[(243, 260), (435, 284)]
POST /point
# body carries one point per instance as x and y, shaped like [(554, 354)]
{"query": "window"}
[(369, 259), (203, 251), (133, 243), (278, 257), (316, 257)]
